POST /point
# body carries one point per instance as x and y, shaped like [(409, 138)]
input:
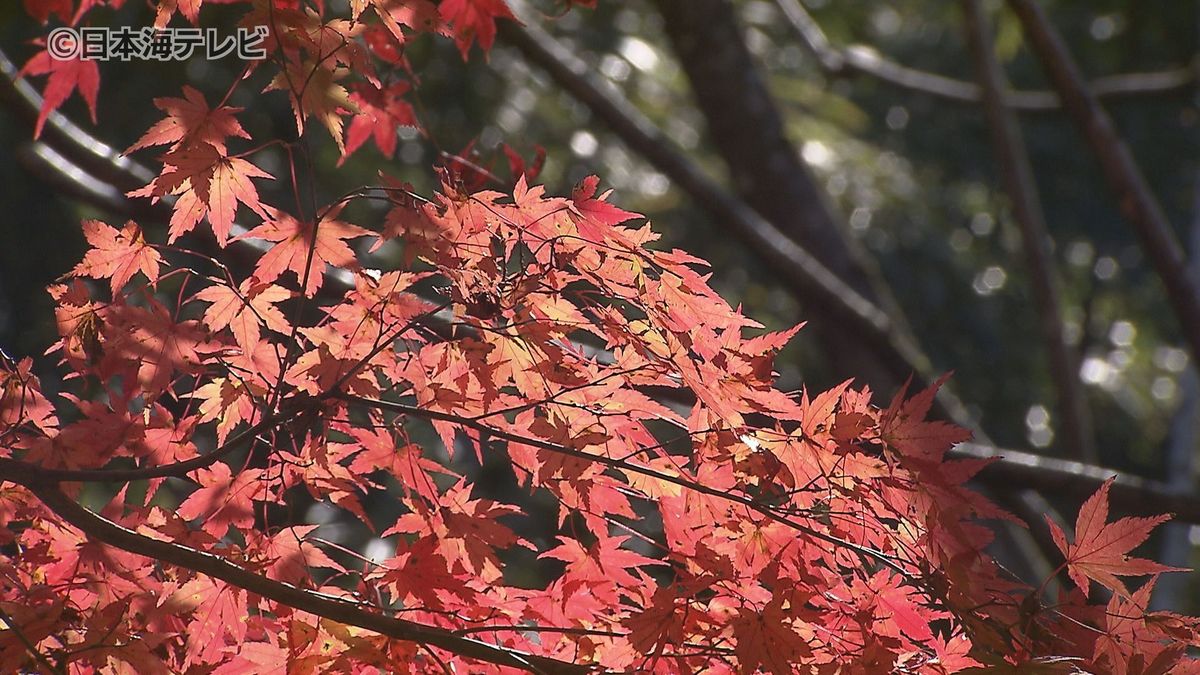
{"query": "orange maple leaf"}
[(314, 90), (117, 254), (190, 118), (293, 240), (1101, 549), (208, 182), (245, 310)]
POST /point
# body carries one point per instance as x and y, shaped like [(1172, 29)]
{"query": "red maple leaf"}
[(293, 239), (189, 118), (474, 20), (903, 425), (519, 168), (117, 254), (416, 15), (1101, 549), (596, 215), (381, 111), (223, 499), (293, 554), (66, 75), (156, 345)]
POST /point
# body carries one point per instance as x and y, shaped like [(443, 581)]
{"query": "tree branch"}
[(686, 483), (327, 606), (1078, 480), (867, 61), (1009, 468), (1019, 182), (1137, 202)]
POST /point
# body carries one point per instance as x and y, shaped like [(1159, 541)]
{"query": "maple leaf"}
[(229, 401), (117, 254), (517, 165), (190, 9), (595, 215), (292, 555), (21, 398), (903, 425), (208, 182), (380, 451), (416, 15), (768, 638), (222, 499), (293, 240), (217, 610), (657, 623), (314, 90), (189, 118), (1100, 551), (601, 568), (156, 345), (66, 75), (421, 575), (474, 20), (381, 111), (245, 310)]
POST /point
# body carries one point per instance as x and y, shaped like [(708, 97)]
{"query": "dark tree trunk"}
[(766, 170)]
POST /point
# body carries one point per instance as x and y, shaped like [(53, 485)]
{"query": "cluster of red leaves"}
[(707, 521)]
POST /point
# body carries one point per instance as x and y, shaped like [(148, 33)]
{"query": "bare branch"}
[(1137, 203), (867, 61), (1019, 182)]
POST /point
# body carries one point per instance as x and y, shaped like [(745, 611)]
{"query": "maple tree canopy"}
[(706, 520)]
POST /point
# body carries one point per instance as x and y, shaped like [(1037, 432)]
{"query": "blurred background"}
[(855, 128)]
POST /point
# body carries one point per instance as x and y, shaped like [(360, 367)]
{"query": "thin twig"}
[(865, 60), (30, 648)]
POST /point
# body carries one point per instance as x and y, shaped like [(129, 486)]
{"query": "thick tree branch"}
[(861, 59), (1019, 182), (1137, 203), (327, 606)]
